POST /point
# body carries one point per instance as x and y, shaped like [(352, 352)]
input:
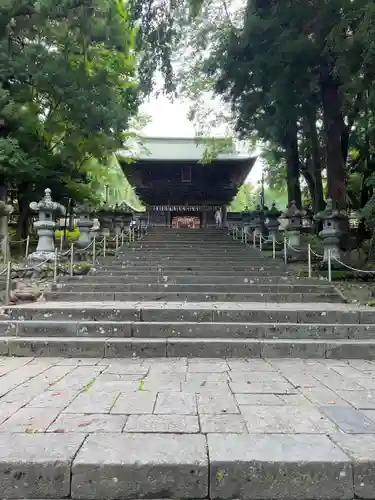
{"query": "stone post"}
[(273, 222), (246, 221), (85, 224), (331, 233), (5, 211), (294, 217), (118, 220), (224, 215), (259, 220), (105, 219), (45, 226), (204, 219)]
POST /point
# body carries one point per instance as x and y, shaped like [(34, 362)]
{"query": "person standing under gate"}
[(218, 217)]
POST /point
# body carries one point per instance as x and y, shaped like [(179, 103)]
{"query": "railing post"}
[(285, 252), (329, 266), (61, 241), (71, 259), (94, 251), (55, 267), (27, 246), (8, 281), (116, 242), (260, 242), (122, 238), (309, 258), (104, 246), (254, 239), (273, 246), (6, 248)]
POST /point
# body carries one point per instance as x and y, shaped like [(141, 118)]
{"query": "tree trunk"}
[(290, 144), (332, 119), (23, 220), (316, 164), (4, 243)]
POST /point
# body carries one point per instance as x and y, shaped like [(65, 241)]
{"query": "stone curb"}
[(163, 311), (188, 278), (219, 466), (181, 330), (160, 287), (203, 296), (194, 347)]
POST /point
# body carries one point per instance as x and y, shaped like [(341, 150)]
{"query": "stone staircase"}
[(189, 293)]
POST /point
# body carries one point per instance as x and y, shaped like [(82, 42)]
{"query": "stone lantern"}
[(127, 216), (294, 217), (247, 218), (331, 233), (273, 222), (5, 211), (85, 224), (45, 226), (105, 219), (259, 219), (118, 220)]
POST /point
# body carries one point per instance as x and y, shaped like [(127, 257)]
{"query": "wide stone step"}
[(114, 347), (217, 252), (166, 270), (202, 296), (183, 268), (190, 278), (217, 466), (227, 312), (139, 329), (82, 286), (192, 265)]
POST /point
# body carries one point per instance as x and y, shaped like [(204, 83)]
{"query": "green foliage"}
[(71, 236), (248, 197), (296, 78), (67, 92)]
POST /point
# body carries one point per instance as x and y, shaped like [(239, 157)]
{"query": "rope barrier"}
[(86, 248), (292, 248), (32, 268), (316, 254), (18, 241), (3, 271), (57, 256), (352, 268)]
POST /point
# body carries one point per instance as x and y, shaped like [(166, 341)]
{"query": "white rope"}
[(65, 253), (3, 271), (32, 268), (18, 241), (294, 249), (353, 268), (88, 246), (316, 254)]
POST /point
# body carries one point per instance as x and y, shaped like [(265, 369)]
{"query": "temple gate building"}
[(177, 189)]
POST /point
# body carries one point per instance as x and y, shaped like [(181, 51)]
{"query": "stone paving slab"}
[(282, 467), (114, 347), (138, 465), (105, 429)]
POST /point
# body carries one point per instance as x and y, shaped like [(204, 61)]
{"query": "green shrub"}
[(71, 236)]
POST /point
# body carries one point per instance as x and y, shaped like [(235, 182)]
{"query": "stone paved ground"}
[(182, 395), (102, 429)]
